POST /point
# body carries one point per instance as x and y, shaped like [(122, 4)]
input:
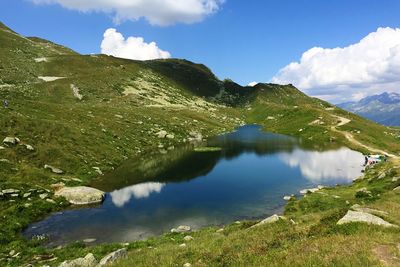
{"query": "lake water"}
[(246, 179)]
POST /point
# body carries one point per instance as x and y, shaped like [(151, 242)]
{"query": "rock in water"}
[(53, 169), (88, 261), (363, 217), (81, 195), (113, 256)]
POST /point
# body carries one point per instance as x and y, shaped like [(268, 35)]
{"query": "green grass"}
[(207, 149), (108, 126)]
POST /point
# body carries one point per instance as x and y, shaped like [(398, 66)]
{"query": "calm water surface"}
[(247, 179)]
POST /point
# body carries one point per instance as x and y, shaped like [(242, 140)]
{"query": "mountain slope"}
[(383, 108), (86, 114)]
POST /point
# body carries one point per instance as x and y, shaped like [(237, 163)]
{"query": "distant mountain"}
[(383, 108)]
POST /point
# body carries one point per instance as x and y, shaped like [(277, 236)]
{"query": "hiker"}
[(5, 103)]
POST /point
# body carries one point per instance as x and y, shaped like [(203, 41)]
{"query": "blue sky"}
[(242, 40)]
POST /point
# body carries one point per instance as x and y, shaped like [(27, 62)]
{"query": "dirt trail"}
[(350, 137)]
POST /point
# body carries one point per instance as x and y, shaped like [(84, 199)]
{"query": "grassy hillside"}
[(81, 112)]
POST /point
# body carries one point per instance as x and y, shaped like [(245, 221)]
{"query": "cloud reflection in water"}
[(123, 196), (320, 167)]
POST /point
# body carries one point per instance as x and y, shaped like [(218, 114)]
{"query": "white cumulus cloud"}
[(115, 44), (156, 12), (370, 66)]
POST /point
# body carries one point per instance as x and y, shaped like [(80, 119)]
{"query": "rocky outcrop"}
[(88, 261), (363, 217), (81, 195), (113, 256), (357, 207)]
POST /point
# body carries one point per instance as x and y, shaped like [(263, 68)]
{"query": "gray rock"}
[(309, 190), (113, 256), (181, 229), (97, 169), (10, 191), (272, 219), (363, 217), (29, 147), (53, 169), (81, 195), (88, 261), (50, 200), (195, 136), (170, 136), (89, 240), (162, 134), (364, 191), (11, 140), (27, 195), (43, 196), (357, 207), (287, 198), (188, 238)]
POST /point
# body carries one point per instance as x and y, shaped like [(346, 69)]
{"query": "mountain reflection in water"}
[(246, 179)]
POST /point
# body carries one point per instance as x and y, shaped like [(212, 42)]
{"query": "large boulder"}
[(363, 217), (113, 256), (81, 195), (88, 261)]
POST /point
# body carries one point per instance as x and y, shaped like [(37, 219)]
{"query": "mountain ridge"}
[(383, 108)]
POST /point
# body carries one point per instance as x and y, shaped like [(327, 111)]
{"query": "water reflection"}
[(123, 196), (246, 179), (343, 164)]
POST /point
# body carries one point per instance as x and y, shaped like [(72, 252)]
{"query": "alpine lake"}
[(242, 175)]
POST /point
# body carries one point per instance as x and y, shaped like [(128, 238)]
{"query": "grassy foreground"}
[(101, 110)]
